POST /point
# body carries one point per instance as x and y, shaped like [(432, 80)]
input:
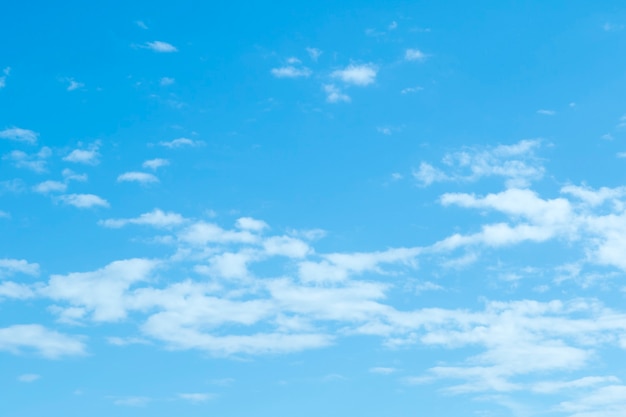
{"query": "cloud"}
[(28, 377), (141, 24), (516, 163), (314, 53), (360, 75), (70, 175), (165, 81), (84, 200), (140, 177), (546, 112), (6, 71), (414, 55), (35, 162), (162, 47), (73, 84), (248, 223), (132, 401), (10, 267), (50, 187), (19, 135), (181, 142), (291, 72), (156, 218), (197, 397), (334, 94), (382, 370), (155, 164), (33, 337), (409, 90), (84, 156)]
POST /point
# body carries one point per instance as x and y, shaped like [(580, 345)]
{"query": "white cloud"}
[(291, 72), (393, 25), (155, 163), (409, 90), (155, 218), (70, 175), (9, 289), (140, 177), (132, 401), (3, 78), (28, 377), (181, 142), (334, 94), (314, 53), (201, 233), (19, 135), (141, 24), (165, 81), (383, 370), (546, 112), (360, 75), (248, 223), (73, 84), (286, 246), (50, 187), (414, 55), (197, 397), (10, 267), (33, 337), (84, 200), (4, 215), (35, 162), (84, 156), (158, 46)]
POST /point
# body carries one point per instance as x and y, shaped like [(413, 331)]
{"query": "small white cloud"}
[(621, 155), (291, 72), (73, 84), (9, 267), (47, 343), (84, 156), (409, 90), (141, 177), (167, 81), (70, 175), (158, 46), (49, 187), (314, 53), (141, 24), (546, 112), (248, 223), (181, 142), (28, 377), (198, 397), (360, 75), (384, 130), (396, 176), (84, 200), (155, 163), (334, 94), (607, 136), (156, 218), (383, 370), (132, 401), (35, 162), (293, 60), (414, 55), (3, 78), (610, 27), (19, 135), (393, 25)]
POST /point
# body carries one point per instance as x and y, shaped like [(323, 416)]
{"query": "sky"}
[(357, 208)]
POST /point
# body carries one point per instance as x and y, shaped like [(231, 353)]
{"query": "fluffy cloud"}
[(414, 55), (159, 46), (84, 200), (19, 135), (360, 75), (140, 177), (84, 156), (291, 72), (181, 142), (50, 187), (155, 218), (33, 337), (35, 162), (9, 267), (334, 94)]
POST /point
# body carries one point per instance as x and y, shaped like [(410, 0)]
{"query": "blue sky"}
[(365, 208)]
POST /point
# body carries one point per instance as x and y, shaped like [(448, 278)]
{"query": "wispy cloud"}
[(162, 47), (47, 343), (3, 77), (156, 163), (414, 55), (155, 218), (35, 162), (50, 187), (546, 112), (10, 267), (314, 53), (84, 156), (140, 177), (165, 81), (84, 200), (409, 90), (141, 24), (19, 135), (28, 378), (181, 143), (197, 397), (334, 94), (360, 75), (72, 84), (291, 72)]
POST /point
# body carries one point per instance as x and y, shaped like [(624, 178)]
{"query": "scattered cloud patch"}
[(84, 156), (181, 143), (132, 401), (334, 94), (140, 177), (314, 53), (361, 75), (198, 397), (410, 90), (291, 72), (28, 378), (35, 162), (10, 267), (382, 370), (70, 175), (161, 47), (19, 135), (141, 24), (546, 112), (3, 77), (165, 81), (155, 164), (72, 84), (414, 55), (83, 200), (155, 218), (50, 187), (23, 338)]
